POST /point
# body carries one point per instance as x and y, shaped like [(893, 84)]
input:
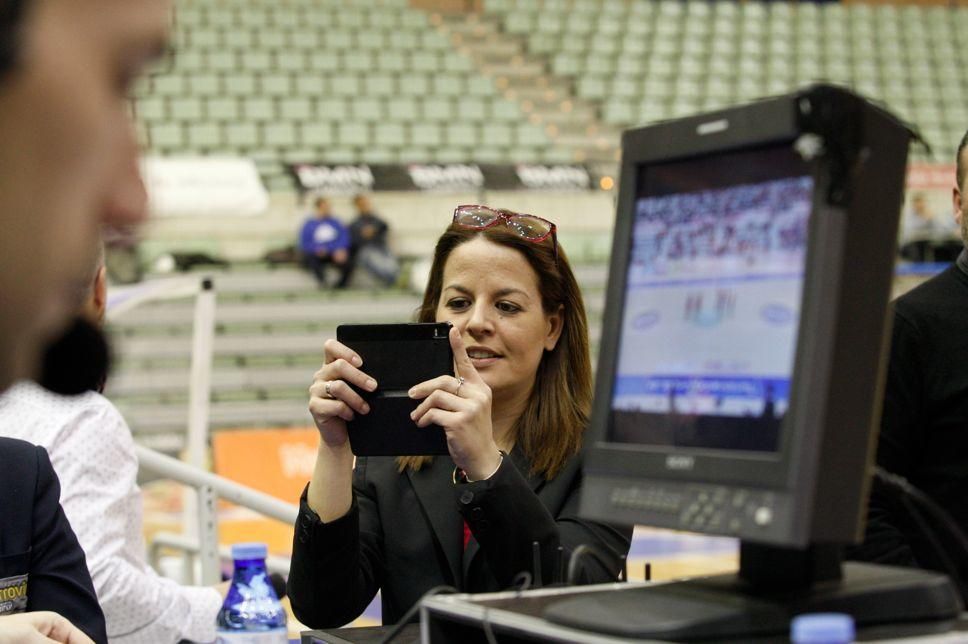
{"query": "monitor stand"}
[(772, 586)]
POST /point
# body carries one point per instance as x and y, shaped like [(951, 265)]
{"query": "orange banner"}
[(275, 461)]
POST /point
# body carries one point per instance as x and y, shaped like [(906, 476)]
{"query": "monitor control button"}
[(763, 516)]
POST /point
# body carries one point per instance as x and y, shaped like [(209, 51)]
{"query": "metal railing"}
[(201, 540)]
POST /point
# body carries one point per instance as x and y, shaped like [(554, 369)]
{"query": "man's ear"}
[(956, 203), (97, 303)]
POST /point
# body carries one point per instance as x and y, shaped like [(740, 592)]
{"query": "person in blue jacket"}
[(325, 240)]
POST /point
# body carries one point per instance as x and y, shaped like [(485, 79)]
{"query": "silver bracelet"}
[(460, 476)]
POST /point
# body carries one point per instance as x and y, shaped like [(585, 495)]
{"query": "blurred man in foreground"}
[(68, 166), (93, 453)]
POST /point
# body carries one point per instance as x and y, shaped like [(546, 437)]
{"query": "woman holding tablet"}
[(514, 414)]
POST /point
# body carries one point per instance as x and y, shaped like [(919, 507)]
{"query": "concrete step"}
[(269, 312), (156, 382), (160, 418)]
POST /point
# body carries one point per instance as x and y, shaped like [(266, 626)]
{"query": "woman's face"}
[(490, 293)]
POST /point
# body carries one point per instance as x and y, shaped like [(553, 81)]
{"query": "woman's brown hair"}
[(550, 429)]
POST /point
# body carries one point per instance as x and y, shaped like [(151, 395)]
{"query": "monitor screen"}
[(712, 301)]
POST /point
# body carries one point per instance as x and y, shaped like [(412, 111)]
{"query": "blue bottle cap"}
[(822, 628), (249, 551)]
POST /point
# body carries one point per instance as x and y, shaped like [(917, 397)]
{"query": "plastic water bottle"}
[(822, 628), (251, 613)]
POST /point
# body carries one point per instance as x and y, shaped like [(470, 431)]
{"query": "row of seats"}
[(434, 107), (286, 136), (288, 14), (748, 11), (850, 48), (309, 84), (308, 39), (752, 62), (333, 61)]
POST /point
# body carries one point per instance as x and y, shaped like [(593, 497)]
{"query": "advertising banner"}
[(346, 179), (204, 186)]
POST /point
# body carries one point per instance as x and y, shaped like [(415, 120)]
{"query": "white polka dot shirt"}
[(92, 451)]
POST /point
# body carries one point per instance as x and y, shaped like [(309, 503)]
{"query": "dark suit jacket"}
[(37, 540), (404, 535)]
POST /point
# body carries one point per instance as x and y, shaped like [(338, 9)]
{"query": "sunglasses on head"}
[(534, 229)]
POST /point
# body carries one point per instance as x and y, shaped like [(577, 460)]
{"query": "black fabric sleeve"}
[(899, 447), (337, 567), (59, 580), (506, 518)]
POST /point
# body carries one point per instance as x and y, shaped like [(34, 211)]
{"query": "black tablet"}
[(398, 356)]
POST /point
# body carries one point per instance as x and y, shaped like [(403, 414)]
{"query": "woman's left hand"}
[(462, 406)]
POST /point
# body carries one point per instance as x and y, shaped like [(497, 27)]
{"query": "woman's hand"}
[(462, 406), (332, 401)]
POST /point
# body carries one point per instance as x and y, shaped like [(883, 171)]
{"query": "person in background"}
[(68, 166), (368, 245), (514, 414), (325, 241), (924, 423), (92, 451)]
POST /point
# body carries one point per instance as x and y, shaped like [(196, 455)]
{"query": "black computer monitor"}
[(742, 356)]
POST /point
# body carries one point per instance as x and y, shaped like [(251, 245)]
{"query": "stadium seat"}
[(426, 134), (391, 135), (351, 134), (205, 135), (296, 109), (255, 108), (319, 133)]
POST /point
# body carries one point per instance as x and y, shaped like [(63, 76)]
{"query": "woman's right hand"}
[(332, 401)]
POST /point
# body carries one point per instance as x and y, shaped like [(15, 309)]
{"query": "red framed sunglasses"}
[(534, 229)]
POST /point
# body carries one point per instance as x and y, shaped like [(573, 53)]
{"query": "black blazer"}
[(36, 540), (404, 535)]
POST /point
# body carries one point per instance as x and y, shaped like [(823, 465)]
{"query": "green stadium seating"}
[(296, 108), (352, 134), (363, 108), (318, 133), (256, 108), (186, 108), (426, 134), (205, 135), (242, 135), (340, 78)]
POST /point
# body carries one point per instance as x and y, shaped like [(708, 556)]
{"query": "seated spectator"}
[(324, 240), (368, 243), (93, 453)]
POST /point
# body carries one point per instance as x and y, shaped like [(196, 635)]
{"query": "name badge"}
[(13, 595)]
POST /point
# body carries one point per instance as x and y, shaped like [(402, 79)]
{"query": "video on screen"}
[(711, 315)]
